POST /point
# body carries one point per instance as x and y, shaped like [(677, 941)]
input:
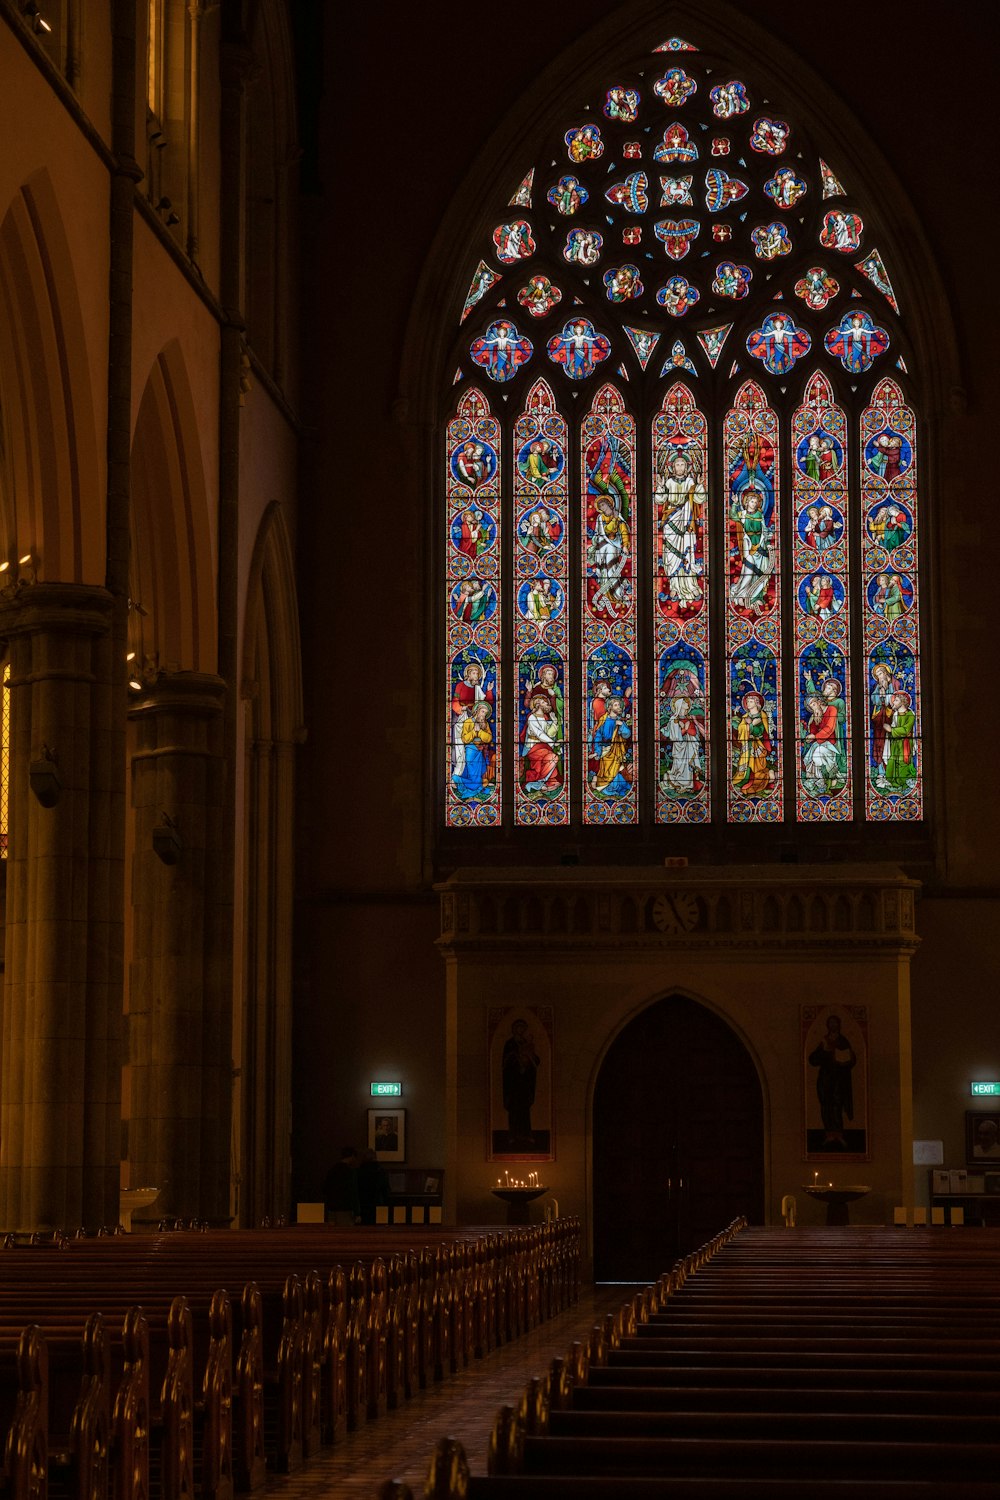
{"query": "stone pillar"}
[(180, 1044), (60, 1075)]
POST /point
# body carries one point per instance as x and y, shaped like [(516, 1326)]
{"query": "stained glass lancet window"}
[(821, 606), (889, 579), (753, 616), (609, 612), (682, 361), (679, 515), (541, 585), (473, 586)]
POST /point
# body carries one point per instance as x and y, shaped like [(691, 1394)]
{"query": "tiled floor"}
[(399, 1445)]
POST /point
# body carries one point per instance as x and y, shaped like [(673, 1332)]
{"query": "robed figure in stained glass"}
[(608, 555), (749, 589), (755, 761), (611, 751), (684, 733), (474, 780), (542, 745), (901, 765), (680, 498)]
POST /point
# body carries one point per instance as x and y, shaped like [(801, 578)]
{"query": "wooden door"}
[(678, 1139)]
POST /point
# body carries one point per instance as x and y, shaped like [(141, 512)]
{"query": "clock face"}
[(677, 912)]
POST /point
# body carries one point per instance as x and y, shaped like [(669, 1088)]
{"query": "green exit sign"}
[(387, 1090), (980, 1089)]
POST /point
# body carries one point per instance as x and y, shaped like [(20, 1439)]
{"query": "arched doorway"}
[(678, 1139)]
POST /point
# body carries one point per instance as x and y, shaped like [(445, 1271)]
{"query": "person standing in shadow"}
[(340, 1190), (373, 1186)]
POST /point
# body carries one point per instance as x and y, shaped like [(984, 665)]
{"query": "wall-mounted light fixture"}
[(167, 842), (34, 15), (44, 778), (20, 569)]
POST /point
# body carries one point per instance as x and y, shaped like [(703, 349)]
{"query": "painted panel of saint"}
[(519, 1062), (835, 1081)]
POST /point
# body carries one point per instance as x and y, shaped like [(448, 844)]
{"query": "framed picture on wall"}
[(982, 1136), (387, 1133), (834, 1041)]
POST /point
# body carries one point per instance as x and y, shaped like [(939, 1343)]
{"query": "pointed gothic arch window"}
[(681, 480)]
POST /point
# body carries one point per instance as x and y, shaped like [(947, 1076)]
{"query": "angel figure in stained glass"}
[(857, 342), (513, 241), (608, 555), (841, 231), (750, 588), (578, 348), (539, 296), (778, 343), (501, 350)]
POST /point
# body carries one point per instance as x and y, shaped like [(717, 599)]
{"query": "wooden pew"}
[(316, 1349), (728, 1379)]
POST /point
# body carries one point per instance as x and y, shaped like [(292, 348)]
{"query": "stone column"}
[(60, 1075), (180, 1046)]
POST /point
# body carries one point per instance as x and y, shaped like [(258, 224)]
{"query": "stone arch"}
[(620, 1022), (574, 75), (173, 549), (272, 696), (53, 495)]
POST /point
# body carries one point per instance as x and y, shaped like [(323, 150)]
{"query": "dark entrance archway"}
[(678, 1139)]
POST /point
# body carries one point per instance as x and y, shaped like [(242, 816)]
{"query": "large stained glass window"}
[(680, 478)]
